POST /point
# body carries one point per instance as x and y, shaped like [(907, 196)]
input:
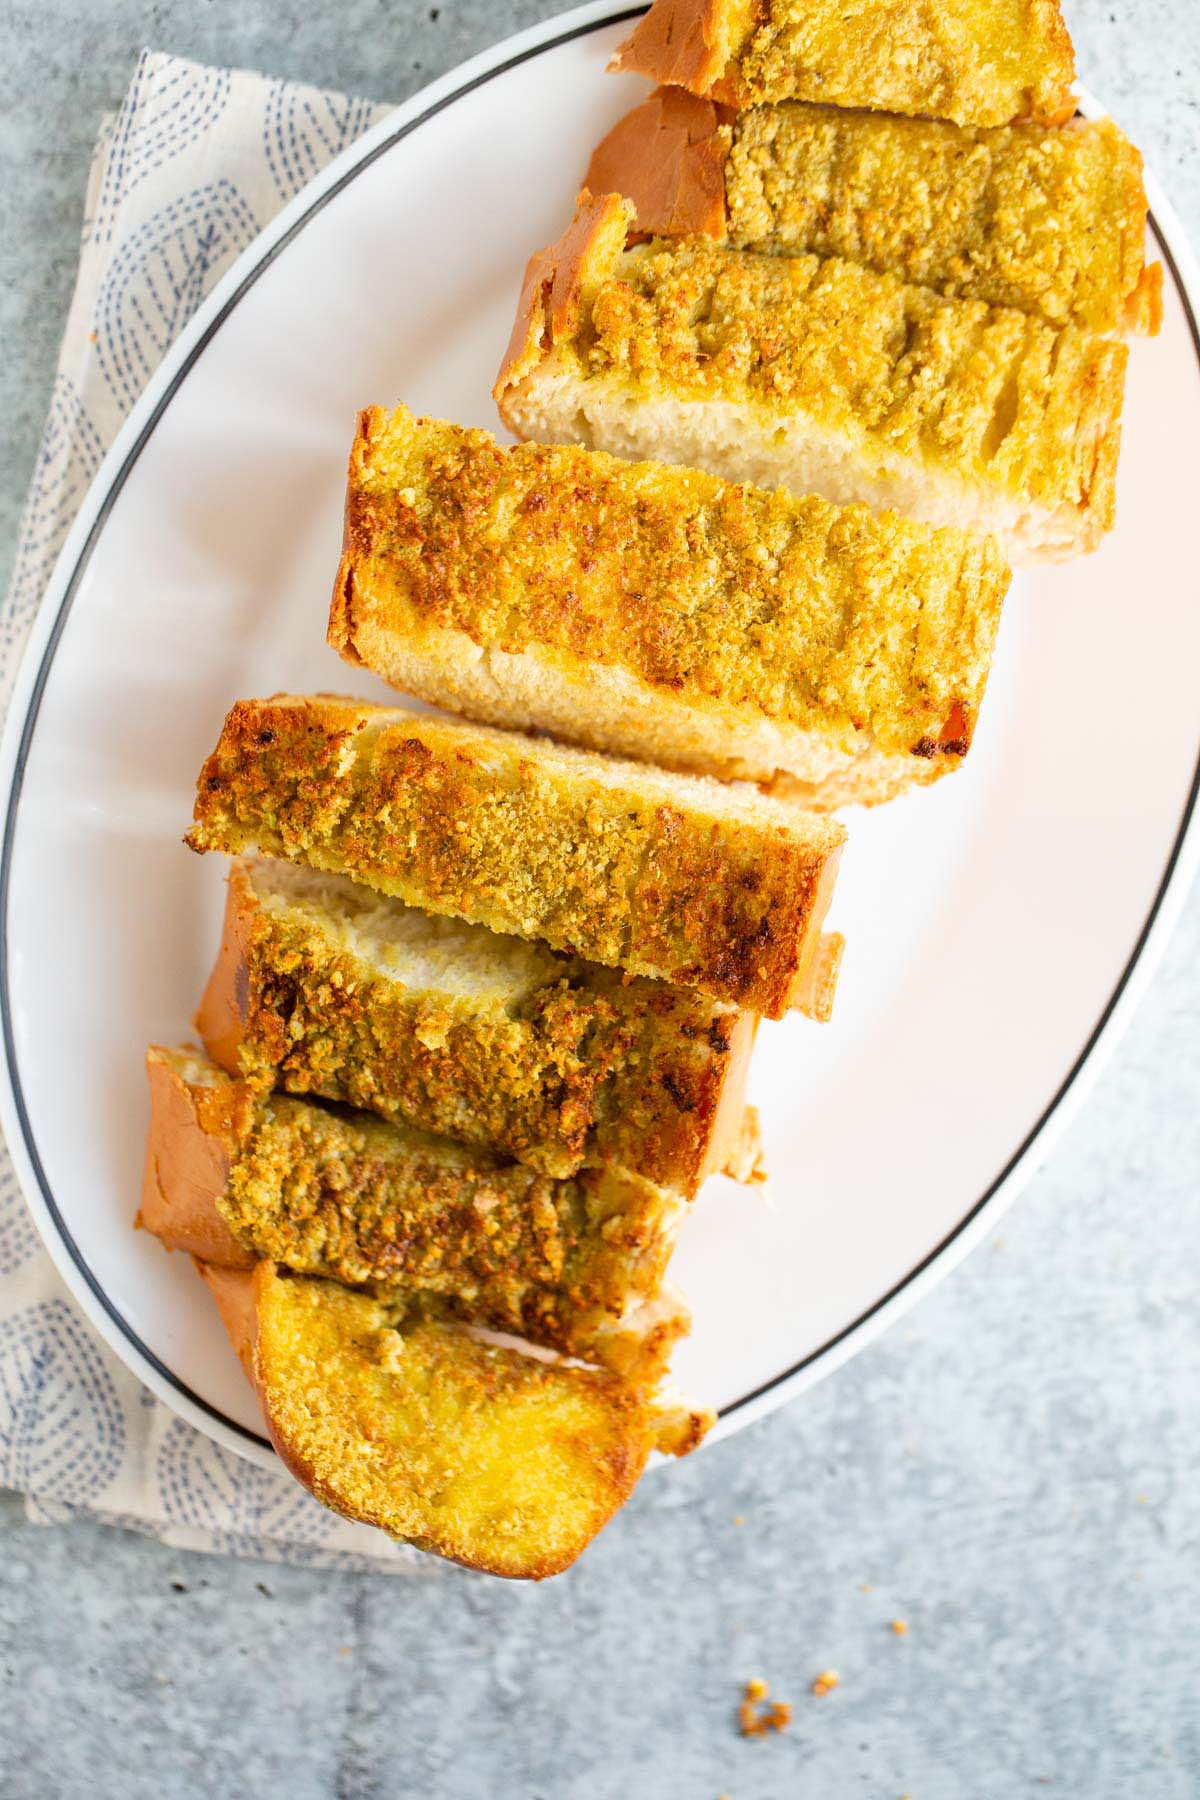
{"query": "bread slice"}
[(1048, 219), (471, 1450), (713, 887), (664, 613), (819, 375), (320, 987), (233, 1176), (978, 62)]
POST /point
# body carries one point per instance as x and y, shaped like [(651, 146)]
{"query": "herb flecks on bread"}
[(576, 1264), (822, 376)]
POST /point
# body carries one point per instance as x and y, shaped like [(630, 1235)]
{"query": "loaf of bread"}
[(820, 375), (321, 987), (715, 887), (664, 613), (577, 1265), (470, 1450), (1051, 220), (978, 62)]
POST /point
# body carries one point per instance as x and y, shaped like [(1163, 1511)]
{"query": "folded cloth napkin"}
[(183, 177)]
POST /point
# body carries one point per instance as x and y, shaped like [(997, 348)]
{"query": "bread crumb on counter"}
[(756, 1716), (825, 1683)]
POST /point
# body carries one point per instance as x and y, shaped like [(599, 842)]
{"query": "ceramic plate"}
[(999, 926)]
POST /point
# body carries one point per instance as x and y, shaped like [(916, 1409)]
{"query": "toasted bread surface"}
[(467, 1449), (568, 1264), (661, 611), (712, 887), (1049, 220), (322, 988), (978, 62), (832, 378)]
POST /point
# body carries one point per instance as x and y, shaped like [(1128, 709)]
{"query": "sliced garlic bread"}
[(714, 887), (1048, 219), (577, 1265), (821, 376), (664, 613), (978, 62)]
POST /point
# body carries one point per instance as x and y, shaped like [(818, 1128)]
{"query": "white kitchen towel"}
[(193, 166)]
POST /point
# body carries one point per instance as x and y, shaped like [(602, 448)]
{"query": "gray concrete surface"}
[(1015, 1471)]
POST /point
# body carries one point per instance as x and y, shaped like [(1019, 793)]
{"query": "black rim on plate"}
[(29, 726)]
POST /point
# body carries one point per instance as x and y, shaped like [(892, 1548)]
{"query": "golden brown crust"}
[(682, 879), (570, 1064), (1048, 220), (990, 395), (233, 1292), (556, 285), (668, 157), (194, 1136), (690, 44), (566, 1264), (764, 632), (221, 1018), (977, 62), (469, 1450)]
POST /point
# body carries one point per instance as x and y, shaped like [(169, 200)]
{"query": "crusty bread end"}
[(233, 1292), (557, 283), (194, 1132), (668, 157), (690, 44), (468, 1449)]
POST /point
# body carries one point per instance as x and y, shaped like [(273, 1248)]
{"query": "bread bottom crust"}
[(554, 404)]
